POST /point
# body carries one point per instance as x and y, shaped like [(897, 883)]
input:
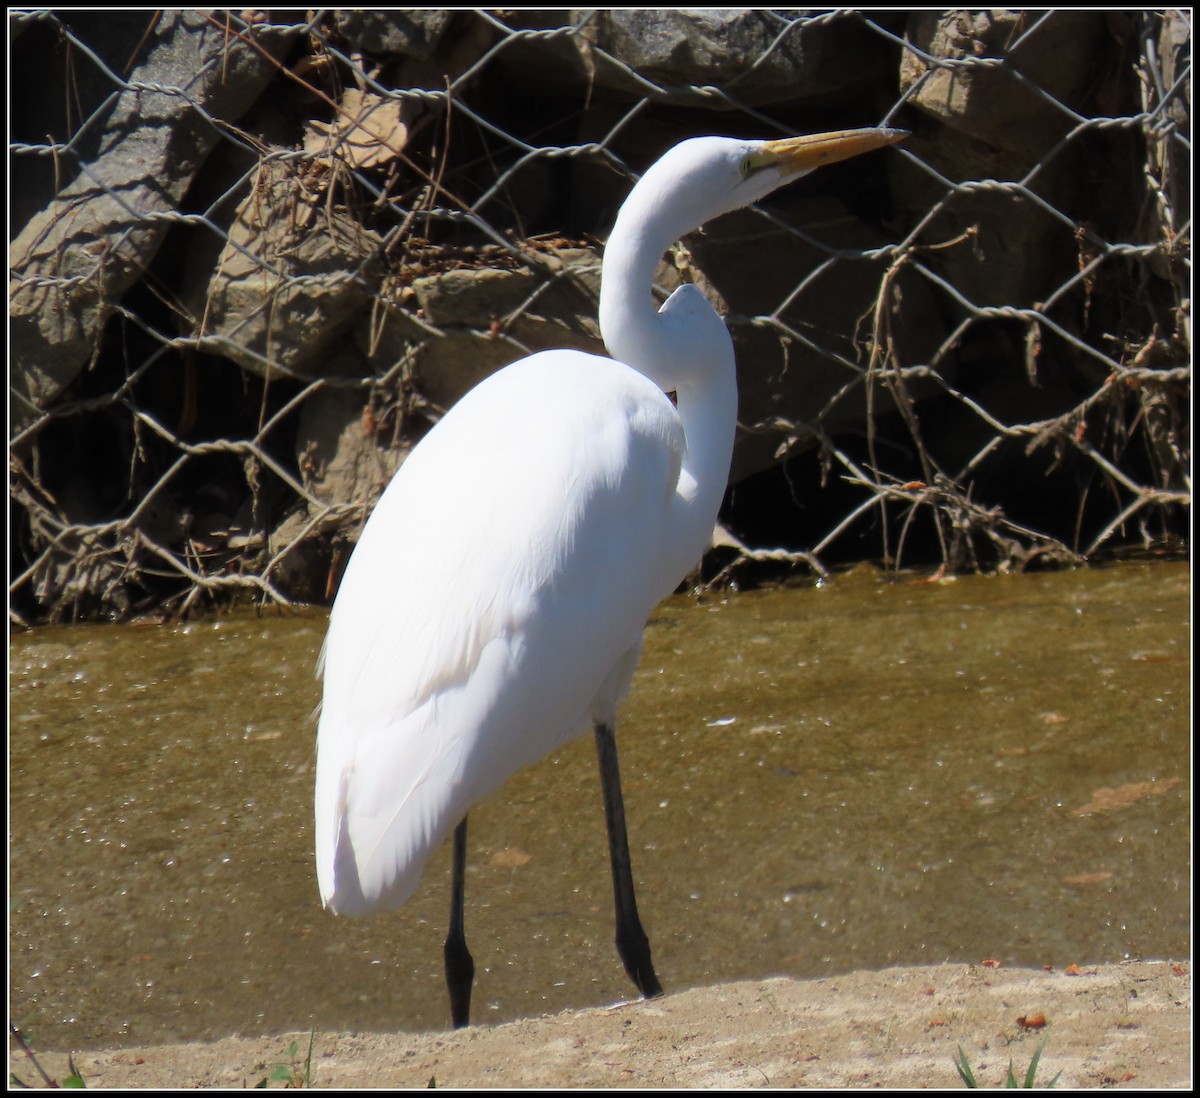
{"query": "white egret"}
[(493, 608)]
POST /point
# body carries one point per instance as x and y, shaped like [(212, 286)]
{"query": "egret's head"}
[(695, 182), (792, 157), (704, 177)]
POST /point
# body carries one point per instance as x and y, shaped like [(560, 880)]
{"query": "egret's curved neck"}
[(683, 348), (629, 320)]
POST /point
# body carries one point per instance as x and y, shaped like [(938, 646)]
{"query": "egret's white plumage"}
[(494, 606), (505, 610)]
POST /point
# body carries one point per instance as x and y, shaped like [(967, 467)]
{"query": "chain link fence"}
[(253, 260)]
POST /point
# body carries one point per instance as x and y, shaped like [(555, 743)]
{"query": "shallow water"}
[(817, 780)]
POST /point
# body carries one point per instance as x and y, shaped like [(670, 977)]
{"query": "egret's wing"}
[(502, 574)]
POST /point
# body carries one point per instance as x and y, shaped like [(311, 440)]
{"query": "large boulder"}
[(74, 259)]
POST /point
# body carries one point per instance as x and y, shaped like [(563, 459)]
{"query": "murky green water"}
[(817, 780)]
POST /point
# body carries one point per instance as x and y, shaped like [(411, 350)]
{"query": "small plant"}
[(73, 1081), (290, 1073), (963, 1066)]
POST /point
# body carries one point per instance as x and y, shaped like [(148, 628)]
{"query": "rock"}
[(456, 327), (294, 274), (977, 93), (74, 259), (341, 458), (417, 48), (415, 33), (302, 563), (999, 105), (755, 56), (54, 115)]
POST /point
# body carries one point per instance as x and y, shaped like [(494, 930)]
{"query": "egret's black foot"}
[(460, 968), (634, 950), (460, 975)]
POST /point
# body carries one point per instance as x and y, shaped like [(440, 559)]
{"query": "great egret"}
[(494, 605)]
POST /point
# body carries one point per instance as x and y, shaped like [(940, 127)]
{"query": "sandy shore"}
[(1124, 1025)]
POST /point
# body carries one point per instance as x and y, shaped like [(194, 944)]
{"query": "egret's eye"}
[(747, 166)]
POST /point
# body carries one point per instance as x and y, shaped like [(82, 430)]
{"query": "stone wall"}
[(254, 261)]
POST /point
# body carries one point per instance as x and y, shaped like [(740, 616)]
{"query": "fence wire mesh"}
[(253, 260)]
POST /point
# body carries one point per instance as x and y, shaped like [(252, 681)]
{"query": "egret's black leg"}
[(632, 943), (460, 968)]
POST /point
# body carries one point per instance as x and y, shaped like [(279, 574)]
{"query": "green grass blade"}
[(963, 1066)]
